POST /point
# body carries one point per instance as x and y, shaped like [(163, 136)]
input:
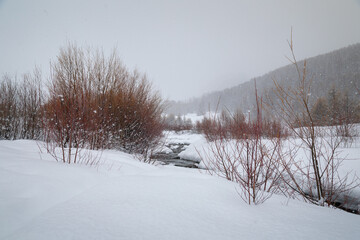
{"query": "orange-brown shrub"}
[(237, 127), (96, 102)]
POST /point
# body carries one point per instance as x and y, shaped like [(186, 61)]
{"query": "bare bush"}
[(250, 161), (211, 128), (95, 102)]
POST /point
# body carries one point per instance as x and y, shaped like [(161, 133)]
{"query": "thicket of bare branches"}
[(20, 106), (96, 102)]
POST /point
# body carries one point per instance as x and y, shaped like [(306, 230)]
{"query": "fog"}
[(186, 48)]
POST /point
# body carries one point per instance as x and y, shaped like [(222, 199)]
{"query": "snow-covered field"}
[(184, 137), (122, 198)]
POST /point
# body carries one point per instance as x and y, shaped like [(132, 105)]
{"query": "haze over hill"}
[(338, 69), (187, 48)]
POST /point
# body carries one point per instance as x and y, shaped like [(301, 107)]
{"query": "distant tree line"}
[(177, 123), (336, 109)]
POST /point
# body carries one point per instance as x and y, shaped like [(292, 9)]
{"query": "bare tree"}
[(9, 114), (318, 180), (20, 106), (30, 102)]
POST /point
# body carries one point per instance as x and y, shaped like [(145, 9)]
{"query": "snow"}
[(122, 198), (195, 150), (173, 139), (184, 137)]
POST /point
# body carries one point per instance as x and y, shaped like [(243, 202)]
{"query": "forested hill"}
[(339, 69)]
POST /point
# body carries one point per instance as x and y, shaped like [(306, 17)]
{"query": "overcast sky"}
[(187, 48)]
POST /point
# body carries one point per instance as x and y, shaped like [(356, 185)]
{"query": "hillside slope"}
[(339, 69)]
